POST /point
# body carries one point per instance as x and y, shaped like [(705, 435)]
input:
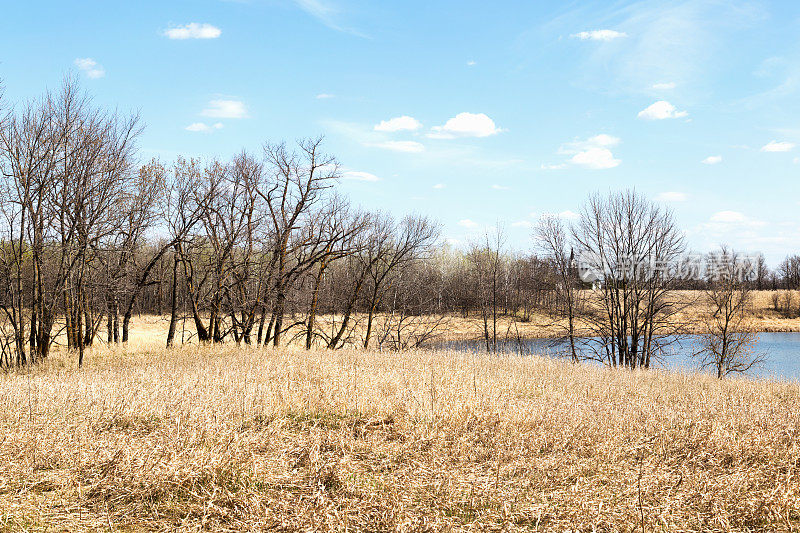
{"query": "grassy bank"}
[(227, 439)]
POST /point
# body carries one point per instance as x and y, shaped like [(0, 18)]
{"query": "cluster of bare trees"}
[(622, 243), (630, 250), (67, 169), (244, 249)]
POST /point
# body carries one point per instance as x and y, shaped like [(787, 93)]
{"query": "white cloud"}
[(401, 146), (672, 196), (225, 109), (776, 146), (471, 63), (595, 158), (661, 110), (193, 30), (403, 123), (323, 96), (439, 186), (602, 140), (592, 153), (500, 187), (357, 175), (467, 223), (203, 127), (466, 125), (599, 35), (736, 227), (712, 160), (522, 224), (728, 217), (558, 166), (90, 67), (664, 86), (723, 220)]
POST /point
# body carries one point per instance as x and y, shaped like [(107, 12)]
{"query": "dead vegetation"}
[(220, 438)]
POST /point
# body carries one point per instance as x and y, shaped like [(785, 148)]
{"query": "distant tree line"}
[(263, 249)]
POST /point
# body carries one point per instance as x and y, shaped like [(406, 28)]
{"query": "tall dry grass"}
[(227, 439)]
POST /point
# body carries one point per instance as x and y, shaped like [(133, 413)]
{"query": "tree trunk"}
[(173, 304), (312, 312), (280, 302), (261, 325)]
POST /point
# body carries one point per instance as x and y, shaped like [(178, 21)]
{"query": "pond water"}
[(781, 352)]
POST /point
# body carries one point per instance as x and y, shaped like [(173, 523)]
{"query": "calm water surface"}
[(780, 350)]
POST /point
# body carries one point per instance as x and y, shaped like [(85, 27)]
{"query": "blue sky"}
[(476, 113)]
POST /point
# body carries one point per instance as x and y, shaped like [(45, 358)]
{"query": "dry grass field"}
[(150, 331), (229, 439)]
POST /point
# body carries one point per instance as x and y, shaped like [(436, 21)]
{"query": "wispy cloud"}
[(328, 14), (225, 109), (712, 160), (324, 96), (675, 41), (672, 196), (202, 127), (723, 221), (357, 175), (599, 35), (193, 30), (90, 67), (400, 146), (778, 146)]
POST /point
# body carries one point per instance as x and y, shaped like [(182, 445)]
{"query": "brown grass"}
[(255, 439), (150, 331)]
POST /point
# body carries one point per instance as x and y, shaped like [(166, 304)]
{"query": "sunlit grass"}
[(243, 439)]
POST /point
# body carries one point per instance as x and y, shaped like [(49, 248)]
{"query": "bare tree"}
[(629, 243), (789, 270), (487, 261), (553, 239), (296, 183), (728, 342), (338, 230), (405, 243), (761, 272), (182, 213)]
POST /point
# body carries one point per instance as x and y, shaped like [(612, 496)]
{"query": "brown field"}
[(227, 439), (762, 317), (151, 331)]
